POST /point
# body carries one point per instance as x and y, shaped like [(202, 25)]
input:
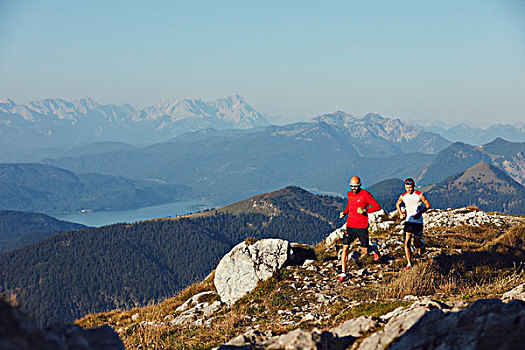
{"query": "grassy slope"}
[(465, 263)]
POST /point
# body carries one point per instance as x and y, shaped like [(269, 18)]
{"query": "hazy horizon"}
[(279, 120), (448, 61)]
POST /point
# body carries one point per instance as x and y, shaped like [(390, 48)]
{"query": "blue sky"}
[(442, 60)]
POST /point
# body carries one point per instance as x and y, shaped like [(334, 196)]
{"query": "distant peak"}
[(338, 114), (89, 100), (487, 168), (335, 116), (498, 140), (7, 100), (373, 116), (237, 98)]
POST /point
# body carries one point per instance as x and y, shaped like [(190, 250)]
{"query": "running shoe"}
[(408, 267), (341, 277), (421, 250), (375, 251)]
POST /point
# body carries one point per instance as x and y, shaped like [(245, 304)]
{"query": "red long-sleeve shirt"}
[(361, 199)]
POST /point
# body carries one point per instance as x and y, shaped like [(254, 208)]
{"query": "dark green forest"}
[(484, 186), (21, 228), (47, 189), (66, 276), (387, 192)]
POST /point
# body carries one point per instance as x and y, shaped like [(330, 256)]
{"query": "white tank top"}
[(413, 205)]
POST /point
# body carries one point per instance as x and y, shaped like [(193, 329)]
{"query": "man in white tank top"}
[(415, 204)]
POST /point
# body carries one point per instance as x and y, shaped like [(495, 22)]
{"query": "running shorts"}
[(352, 233), (415, 228)]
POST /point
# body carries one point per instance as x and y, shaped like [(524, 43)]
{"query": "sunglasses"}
[(355, 186)]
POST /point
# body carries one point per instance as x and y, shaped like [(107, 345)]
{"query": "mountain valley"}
[(151, 260)]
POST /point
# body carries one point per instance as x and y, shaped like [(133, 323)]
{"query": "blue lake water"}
[(102, 218)]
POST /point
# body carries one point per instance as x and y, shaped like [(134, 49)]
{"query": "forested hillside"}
[(482, 185), (20, 228), (387, 192), (458, 157), (47, 189), (63, 277)]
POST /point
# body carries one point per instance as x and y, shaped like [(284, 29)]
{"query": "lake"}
[(102, 218)]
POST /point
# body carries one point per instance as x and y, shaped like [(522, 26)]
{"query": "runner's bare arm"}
[(398, 206), (425, 202)]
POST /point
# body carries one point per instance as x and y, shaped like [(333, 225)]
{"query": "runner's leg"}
[(344, 256), (408, 239)]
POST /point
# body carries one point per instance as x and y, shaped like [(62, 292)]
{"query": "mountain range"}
[(56, 123), (229, 165), (508, 156), (225, 165), (475, 135), (482, 185)]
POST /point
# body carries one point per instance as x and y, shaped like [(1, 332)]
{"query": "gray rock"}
[(192, 301), (334, 236), (461, 216), (393, 329), (308, 263), (487, 324), (239, 271), (457, 305), (300, 340), (186, 318), (102, 338), (198, 313), (212, 308), (515, 293), (247, 340), (355, 327), (17, 332)]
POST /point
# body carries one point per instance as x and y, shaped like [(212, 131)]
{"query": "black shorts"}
[(352, 233), (416, 228)]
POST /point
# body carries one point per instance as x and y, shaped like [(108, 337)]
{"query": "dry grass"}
[(474, 263), (250, 240), (12, 299), (152, 312), (487, 262), (461, 237)]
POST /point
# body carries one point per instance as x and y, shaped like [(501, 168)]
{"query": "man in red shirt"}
[(360, 203)]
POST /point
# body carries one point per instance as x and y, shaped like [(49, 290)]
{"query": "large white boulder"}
[(239, 271)]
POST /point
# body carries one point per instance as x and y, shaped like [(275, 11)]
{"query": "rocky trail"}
[(463, 292)]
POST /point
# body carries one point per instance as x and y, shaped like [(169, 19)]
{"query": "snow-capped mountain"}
[(55, 122), (192, 114), (372, 128)]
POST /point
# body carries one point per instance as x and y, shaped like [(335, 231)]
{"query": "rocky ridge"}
[(306, 292)]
